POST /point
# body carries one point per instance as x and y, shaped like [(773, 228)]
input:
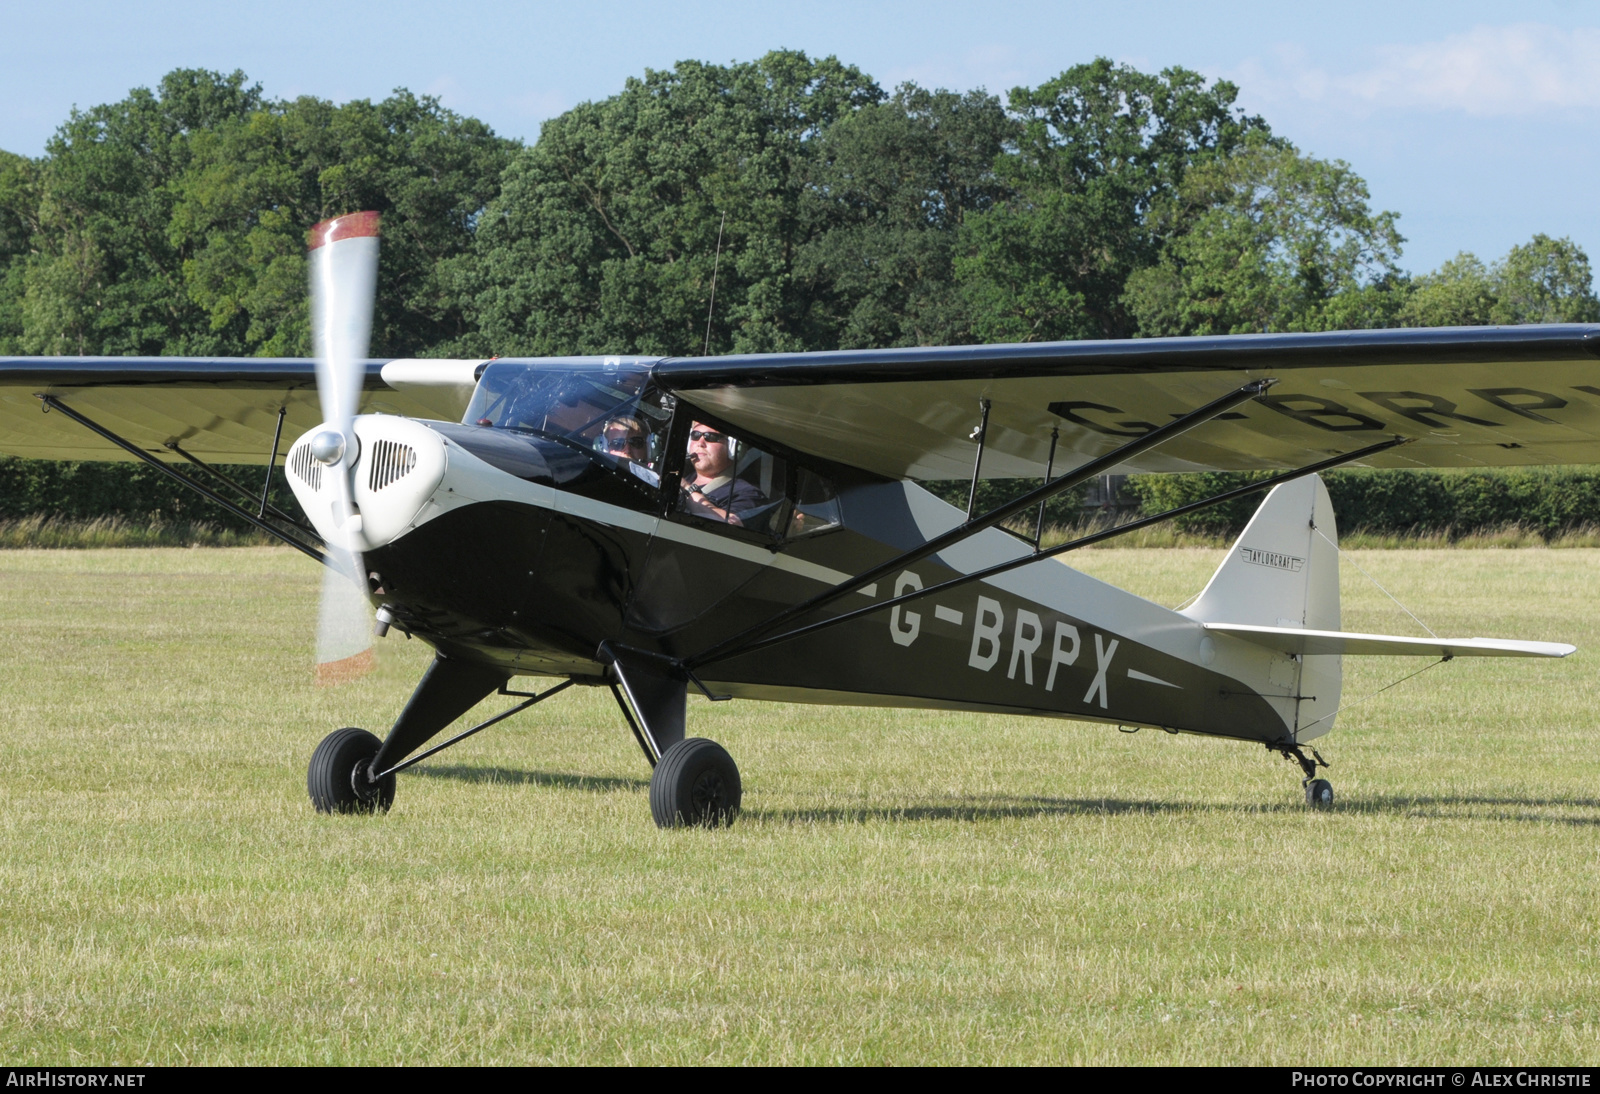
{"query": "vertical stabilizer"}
[(1281, 573)]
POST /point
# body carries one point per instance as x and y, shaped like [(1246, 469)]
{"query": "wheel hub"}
[(361, 783), (709, 795)]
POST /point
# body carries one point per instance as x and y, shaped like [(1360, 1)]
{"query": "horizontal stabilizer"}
[(1301, 641)]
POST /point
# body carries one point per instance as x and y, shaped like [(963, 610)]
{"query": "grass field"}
[(903, 887)]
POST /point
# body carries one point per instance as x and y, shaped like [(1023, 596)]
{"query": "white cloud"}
[(1489, 71), (1505, 71)]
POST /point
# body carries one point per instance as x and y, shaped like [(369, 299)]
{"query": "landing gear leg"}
[(1319, 792), (695, 782), (339, 779)]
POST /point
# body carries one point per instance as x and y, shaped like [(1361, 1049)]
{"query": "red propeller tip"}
[(349, 226), (345, 669)]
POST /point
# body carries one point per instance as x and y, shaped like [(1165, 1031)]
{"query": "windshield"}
[(609, 408)]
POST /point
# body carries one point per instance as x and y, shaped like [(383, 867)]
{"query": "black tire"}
[(336, 779), (696, 784), (1319, 793)]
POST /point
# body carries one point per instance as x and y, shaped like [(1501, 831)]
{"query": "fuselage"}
[(518, 540)]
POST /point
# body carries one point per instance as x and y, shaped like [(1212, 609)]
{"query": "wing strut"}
[(741, 642), (52, 403), (529, 699), (982, 436), (719, 653), (1049, 470), (266, 507), (272, 459)]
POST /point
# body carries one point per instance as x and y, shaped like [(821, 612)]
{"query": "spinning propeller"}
[(344, 275)]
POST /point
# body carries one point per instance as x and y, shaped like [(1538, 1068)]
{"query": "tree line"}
[(1104, 203)]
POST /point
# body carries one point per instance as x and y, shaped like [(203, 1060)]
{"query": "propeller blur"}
[(344, 281)]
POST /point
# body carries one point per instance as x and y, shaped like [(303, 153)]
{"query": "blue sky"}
[(1477, 122)]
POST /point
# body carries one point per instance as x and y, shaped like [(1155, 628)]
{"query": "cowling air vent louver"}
[(390, 460), (305, 468)]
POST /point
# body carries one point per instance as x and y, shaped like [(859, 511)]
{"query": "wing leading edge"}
[(1468, 397)]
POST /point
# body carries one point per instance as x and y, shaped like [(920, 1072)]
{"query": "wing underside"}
[(222, 410), (1467, 397)]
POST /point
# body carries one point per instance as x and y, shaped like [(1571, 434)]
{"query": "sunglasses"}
[(707, 436), (619, 444)]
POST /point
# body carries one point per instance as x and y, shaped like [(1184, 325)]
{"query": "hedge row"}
[(1547, 500), (133, 491), (1065, 509)]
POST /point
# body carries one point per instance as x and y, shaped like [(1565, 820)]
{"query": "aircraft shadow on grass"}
[(1462, 806), (1459, 806), (1002, 808), (559, 780), (975, 809)]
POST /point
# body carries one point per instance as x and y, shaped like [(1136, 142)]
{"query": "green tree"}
[(106, 278), (1101, 147), (890, 190), (1460, 293), (174, 222), (19, 205), (1267, 239), (605, 236), (258, 185), (1542, 281), (1545, 281)]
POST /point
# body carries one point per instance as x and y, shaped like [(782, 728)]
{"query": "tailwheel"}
[(696, 783), (337, 778), (1319, 793)]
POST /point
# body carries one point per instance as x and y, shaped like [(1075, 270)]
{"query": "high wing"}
[(1468, 396), (220, 409)]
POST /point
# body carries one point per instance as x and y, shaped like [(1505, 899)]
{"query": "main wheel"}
[(695, 783), (1319, 793), (337, 777)]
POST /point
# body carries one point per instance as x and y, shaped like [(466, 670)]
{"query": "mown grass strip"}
[(905, 886)]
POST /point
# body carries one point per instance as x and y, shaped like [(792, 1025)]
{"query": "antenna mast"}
[(715, 262)]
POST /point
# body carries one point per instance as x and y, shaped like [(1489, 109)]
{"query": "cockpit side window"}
[(816, 504), (729, 480)]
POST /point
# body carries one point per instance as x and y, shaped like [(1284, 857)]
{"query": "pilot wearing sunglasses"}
[(710, 489)]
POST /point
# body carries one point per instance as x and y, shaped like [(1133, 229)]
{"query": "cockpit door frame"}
[(673, 458)]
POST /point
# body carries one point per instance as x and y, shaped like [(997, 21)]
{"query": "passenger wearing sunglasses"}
[(710, 489), (625, 440)]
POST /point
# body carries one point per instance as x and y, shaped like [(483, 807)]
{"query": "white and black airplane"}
[(751, 526)]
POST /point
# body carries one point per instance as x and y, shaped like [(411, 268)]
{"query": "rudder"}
[(1283, 571)]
